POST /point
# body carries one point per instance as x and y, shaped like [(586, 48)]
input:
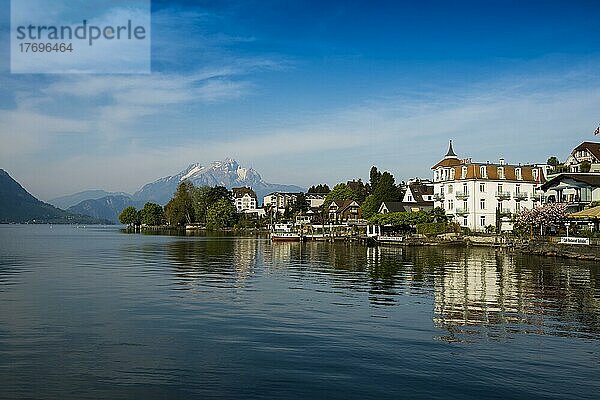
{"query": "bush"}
[(432, 228)]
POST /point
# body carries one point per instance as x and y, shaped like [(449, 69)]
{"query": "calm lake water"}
[(96, 313)]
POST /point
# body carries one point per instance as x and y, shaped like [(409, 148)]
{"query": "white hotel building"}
[(474, 194)]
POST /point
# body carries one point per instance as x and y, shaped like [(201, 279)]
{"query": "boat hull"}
[(277, 238)]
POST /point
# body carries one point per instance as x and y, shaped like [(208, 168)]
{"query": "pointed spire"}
[(450, 153)]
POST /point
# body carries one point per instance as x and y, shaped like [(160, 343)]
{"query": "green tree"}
[(585, 166), (152, 214), (359, 188), (201, 200), (204, 197), (129, 216), (321, 188), (220, 215), (370, 206), (179, 210), (300, 205), (341, 191), (374, 176), (553, 162), (386, 190)]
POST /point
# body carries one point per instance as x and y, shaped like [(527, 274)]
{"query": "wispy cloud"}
[(403, 135)]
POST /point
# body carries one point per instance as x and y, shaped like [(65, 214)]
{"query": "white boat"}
[(390, 239), (285, 233)]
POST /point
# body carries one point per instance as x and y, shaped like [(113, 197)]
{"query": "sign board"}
[(574, 240)]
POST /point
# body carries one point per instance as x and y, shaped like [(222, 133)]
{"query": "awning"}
[(590, 213)]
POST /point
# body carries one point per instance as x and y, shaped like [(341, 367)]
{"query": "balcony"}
[(520, 196), (438, 197), (461, 211), (462, 195), (503, 195)]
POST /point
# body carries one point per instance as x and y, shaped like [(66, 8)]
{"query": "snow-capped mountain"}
[(226, 173)]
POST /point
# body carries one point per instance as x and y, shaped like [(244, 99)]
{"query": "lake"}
[(94, 313)]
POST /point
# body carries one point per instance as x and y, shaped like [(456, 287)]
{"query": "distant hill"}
[(108, 207), (19, 206), (226, 173), (70, 200)]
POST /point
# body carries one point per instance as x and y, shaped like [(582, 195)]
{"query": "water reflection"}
[(219, 261), (474, 291)]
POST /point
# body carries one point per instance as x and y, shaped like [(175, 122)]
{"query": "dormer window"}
[(501, 172), (535, 173), (464, 173), (518, 174), (452, 174), (483, 171)]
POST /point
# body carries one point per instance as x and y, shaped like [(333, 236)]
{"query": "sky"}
[(310, 92)]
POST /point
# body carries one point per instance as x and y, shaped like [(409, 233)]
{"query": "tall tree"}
[(204, 197), (359, 188), (152, 214), (129, 216), (385, 190), (220, 215), (179, 210), (301, 205), (374, 176)]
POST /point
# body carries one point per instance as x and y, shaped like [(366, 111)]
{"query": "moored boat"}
[(285, 233)]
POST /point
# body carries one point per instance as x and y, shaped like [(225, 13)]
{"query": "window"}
[(465, 221), (518, 174), (482, 204), (535, 173), (501, 172), (517, 207), (442, 191), (450, 205), (482, 187), (464, 173), (500, 188), (483, 171), (436, 176), (452, 174), (482, 220), (465, 191), (465, 205), (500, 206), (518, 189), (450, 189)]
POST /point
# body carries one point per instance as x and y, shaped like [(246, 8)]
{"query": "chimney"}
[(502, 162)]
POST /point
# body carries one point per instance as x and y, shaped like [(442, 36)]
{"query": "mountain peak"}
[(227, 172)]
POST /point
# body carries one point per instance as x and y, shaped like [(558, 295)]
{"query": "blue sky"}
[(311, 92)]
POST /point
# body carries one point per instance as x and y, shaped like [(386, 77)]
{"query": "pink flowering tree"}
[(540, 217)]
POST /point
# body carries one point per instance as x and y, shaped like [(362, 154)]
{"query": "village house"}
[(474, 194), (276, 203), (244, 199), (577, 190), (344, 211), (586, 152)]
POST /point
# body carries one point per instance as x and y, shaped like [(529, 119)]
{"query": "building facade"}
[(244, 199), (277, 202), (586, 153), (477, 195)]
